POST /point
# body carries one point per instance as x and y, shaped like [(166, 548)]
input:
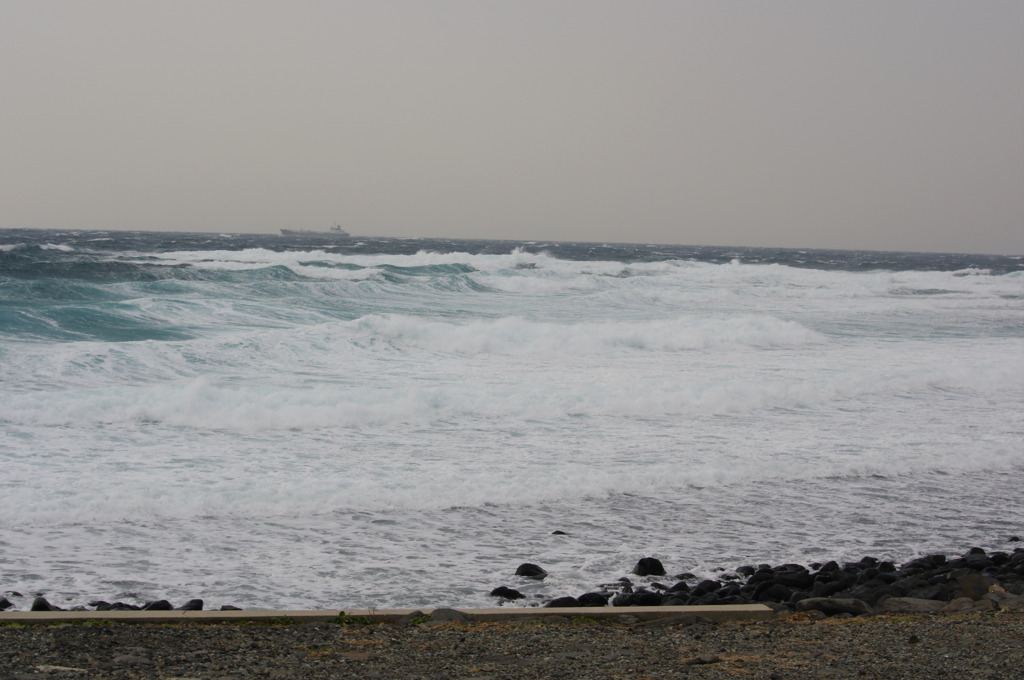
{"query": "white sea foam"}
[(440, 414)]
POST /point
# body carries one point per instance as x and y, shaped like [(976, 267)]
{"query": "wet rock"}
[(773, 592), (5, 604), (647, 598), (705, 599), (800, 579), (41, 604), (195, 605), (507, 593), (566, 601), (531, 571), (649, 566), (828, 589), (157, 606), (704, 587), (593, 600), (623, 600), (230, 608)]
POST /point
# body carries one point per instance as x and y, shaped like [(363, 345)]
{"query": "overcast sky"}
[(888, 125)]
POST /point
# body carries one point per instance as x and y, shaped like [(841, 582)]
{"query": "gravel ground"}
[(983, 645)]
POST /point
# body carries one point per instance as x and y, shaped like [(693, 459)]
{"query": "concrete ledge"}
[(725, 612)]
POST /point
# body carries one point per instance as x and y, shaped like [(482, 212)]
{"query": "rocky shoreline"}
[(976, 581), (934, 616)]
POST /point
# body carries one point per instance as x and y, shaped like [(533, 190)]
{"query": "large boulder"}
[(649, 566), (41, 604), (531, 571), (593, 599), (507, 593)]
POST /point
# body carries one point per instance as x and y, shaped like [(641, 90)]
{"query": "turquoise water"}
[(380, 423)]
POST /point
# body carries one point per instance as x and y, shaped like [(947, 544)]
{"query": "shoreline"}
[(974, 581)]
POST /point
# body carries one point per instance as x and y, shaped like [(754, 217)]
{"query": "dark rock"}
[(704, 587), (794, 579), (649, 566), (925, 563), (5, 604), (593, 599), (191, 606), (507, 593), (558, 532), (623, 600), (773, 592), (563, 602), (705, 599), (820, 589), (687, 576), (531, 571), (867, 575), (760, 577), (1013, 539), (978, 562), (873, 592), (124, 607), (230, 608), (158, 605), (646, 598), (999, 558), (975, 551), (41, 604), (730, 590), (834, 605), (680, 587)]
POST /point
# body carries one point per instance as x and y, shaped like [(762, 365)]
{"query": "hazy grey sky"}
[(889, 124)]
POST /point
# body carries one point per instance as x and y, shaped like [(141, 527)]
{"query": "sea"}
[(301, 422)]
